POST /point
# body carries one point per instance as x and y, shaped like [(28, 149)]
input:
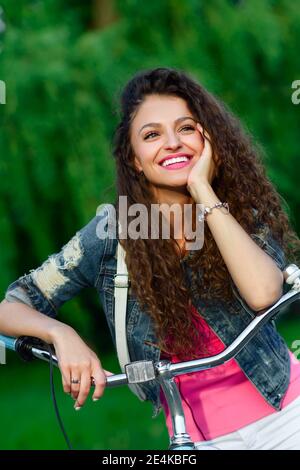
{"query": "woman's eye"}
[(184, 127), (150, 133), (188, 127)]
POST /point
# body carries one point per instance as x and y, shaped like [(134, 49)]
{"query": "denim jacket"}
[(89, 259)]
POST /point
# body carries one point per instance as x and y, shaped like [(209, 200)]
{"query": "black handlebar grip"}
[(24, 345)]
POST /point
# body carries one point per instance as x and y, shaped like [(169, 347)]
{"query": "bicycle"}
[(164, 371)]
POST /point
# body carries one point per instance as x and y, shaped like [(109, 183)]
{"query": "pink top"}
[(222, 399)]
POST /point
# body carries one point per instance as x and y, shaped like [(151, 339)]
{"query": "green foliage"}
[(63, 80)]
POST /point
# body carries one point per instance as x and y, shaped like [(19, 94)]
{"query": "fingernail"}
[(95, 399), (77, 408)]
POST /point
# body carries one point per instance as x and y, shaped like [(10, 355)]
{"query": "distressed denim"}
[(89, 260)]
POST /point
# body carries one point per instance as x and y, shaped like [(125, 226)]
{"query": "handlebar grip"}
[(291, 273), (24, 345)]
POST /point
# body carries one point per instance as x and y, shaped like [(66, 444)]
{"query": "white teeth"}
[(174, 160)]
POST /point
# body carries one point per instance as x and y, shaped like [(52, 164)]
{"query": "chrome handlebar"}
[(164, 371)]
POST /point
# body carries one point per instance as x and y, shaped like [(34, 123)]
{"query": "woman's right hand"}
[(78, 362)]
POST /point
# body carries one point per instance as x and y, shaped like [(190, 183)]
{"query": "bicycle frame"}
[(164, 371)]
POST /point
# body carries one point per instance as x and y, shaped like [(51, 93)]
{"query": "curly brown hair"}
[(156, 273)]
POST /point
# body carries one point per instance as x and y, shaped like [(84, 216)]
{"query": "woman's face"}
[(172, 131)]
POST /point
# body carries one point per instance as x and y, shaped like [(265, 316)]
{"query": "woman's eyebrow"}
[(157, 124)]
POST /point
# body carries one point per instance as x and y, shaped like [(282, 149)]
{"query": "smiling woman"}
[(177, 144), (186, 148)]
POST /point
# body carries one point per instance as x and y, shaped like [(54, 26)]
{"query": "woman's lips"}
[(177, 165)]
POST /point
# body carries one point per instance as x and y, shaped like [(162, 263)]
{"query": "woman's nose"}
[(172, 140)]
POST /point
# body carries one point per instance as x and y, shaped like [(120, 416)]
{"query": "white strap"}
[(121, 290)]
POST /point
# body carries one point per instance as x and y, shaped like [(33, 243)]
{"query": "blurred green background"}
[(64, 63)]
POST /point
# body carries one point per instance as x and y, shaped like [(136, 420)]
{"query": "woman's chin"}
[(174, 181), (178, 186), (178, 182)]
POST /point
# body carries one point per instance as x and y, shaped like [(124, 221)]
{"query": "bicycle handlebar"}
[(164, 371)]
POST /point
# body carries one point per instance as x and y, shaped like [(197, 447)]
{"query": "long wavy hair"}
[(157, 276)]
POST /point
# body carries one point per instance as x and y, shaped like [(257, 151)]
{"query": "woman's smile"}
[(176, 163)]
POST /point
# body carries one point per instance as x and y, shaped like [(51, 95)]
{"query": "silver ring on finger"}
[(75, 381)]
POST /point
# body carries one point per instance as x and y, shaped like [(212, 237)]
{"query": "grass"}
[(119, 420)]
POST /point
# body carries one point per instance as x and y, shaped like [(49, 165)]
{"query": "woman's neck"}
[(169, 196)]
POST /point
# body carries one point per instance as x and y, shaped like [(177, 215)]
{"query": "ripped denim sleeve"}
[(62, 276)]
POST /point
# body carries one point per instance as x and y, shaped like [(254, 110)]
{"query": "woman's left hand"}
[(204, 170)]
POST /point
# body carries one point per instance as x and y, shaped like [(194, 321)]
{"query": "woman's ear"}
[(137, 165)]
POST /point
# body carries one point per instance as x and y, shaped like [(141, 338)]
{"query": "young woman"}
[(183, 303)]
